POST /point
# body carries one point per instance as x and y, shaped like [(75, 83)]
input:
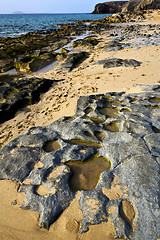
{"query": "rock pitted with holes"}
[(112, 141)]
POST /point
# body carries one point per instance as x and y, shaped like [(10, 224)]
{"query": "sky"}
[(48, 6)]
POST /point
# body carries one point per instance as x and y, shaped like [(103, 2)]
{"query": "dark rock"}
[(109, 7), (29, 65), (4, 78), (113, 46), (6, 64), (18, 93), (129, 143), (118, 62), (73, 60), (116, 45), (32, 47), (86, 42)]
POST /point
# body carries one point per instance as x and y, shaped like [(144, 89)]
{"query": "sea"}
[(12, 25)]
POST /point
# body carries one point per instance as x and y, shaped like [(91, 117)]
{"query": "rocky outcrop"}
[(73, 60), (112, 142), (118, 62), (28, 65), (125, 6), (138, 5), (33, 51), (16, 93), (88, 42), (109, 7)]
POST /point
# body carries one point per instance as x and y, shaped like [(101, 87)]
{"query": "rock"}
[(130, 5), (61, 56), (29, 65), (88, 42), (124, 17), (6, 64), (139, 5), (32, 50), (73, 60), (113, 46), (4, 78), (64, 50), (109, 7), (118, 134), (118, 62), (16, 93)]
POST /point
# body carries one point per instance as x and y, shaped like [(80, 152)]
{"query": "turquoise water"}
[(17, 24)]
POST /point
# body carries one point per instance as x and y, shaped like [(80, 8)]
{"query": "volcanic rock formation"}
[(109, 7), (113, 139), (138, 5), (126, 6)]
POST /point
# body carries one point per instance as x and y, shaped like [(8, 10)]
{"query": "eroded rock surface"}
[(120, 133)]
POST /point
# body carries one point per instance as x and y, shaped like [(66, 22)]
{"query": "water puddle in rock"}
[(85, 143), (51, 146), (86, 174)]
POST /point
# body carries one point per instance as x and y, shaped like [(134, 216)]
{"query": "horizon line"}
[(47, 13)]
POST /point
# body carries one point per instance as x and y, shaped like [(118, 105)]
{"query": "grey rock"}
[(88, 42), (118, 62), (113, 46), (123, 128)]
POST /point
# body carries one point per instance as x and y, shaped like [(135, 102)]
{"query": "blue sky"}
[(48, 6)]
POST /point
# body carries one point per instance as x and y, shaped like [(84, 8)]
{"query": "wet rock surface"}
[(34, 47), (17, 92), (117, 129), (118, 62)]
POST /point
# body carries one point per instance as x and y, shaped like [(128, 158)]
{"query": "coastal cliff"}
[(125, 6), (109, 7), (138, 5)]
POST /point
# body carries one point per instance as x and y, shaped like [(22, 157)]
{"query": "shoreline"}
[(85, 79), (45, 28)]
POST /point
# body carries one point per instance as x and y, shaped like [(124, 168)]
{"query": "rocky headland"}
[(109, 7), (140, 5), (125, 6), (80, 153)]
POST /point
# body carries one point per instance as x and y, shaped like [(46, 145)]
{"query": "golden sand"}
[(18, 224)]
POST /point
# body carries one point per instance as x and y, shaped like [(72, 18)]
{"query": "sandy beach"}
[(87, 79)]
